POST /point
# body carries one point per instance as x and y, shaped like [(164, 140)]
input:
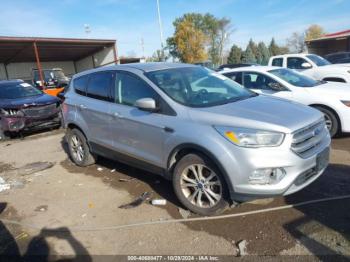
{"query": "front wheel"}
[(199, 185), (331, 119), (3, 135), (78, 147)]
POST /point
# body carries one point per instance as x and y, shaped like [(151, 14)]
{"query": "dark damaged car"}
[(24, 107)]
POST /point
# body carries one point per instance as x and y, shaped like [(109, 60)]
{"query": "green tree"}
[(264, 54), (248, 56), (313, 32), (252, 45), (273, 48), (235, 55), (277, 50)]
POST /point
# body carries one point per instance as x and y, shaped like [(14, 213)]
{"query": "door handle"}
[(82, 107), (118, 115)]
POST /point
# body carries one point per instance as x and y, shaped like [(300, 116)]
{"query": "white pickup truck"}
[(313, 66)]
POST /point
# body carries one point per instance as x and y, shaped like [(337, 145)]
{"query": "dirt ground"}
[(68, 210)]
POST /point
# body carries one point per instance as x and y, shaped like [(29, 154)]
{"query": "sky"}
[(129, 21)]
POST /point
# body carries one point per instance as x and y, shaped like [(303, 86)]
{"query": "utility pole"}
[(143, 47), (160, 26)]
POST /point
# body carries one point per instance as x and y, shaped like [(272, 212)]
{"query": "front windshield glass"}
[(319, 61), (18, 90), (294, 78), (198, 87), (59, 74)]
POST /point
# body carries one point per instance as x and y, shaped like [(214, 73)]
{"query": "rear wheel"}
[(199, 185), (78, 147), (331, 119)]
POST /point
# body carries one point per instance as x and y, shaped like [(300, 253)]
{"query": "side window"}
[(277, 62), (235, 76), (99, 85), (295, 62), (257, 81), (129, 88), (80, 84)]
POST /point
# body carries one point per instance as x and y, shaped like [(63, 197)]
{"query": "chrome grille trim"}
[(306, 141)]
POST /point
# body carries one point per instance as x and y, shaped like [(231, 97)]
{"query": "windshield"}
[(59, 74), (18, 90), (198, 87), (319, 61), (294, 78), (47, 74)]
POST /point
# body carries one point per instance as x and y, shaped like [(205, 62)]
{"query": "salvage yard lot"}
[(84, 203)]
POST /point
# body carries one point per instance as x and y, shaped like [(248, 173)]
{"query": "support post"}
[(115, 53), (6, 72), (38, 64)]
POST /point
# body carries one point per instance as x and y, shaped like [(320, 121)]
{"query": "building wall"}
[(100, 58), (328, 46), (24, 70)]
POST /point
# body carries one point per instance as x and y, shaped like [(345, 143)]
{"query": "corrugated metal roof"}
[(20, 49)]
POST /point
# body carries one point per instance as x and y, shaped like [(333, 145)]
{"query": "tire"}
[(332, 121), (186, 185), (79, 151), (3, 135)]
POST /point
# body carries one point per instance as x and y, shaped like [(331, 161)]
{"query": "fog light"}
[(266, 176)]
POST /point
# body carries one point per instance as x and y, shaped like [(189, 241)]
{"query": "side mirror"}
[(146, 104), (276, 86), (306, 65)]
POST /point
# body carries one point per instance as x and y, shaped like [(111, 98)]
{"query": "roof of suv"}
[(145, 67)]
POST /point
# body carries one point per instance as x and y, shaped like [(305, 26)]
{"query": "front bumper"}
[(239, 163), (16, 124)]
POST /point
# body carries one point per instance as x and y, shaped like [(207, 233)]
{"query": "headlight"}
[(347, 103), (246, 137), (11, 112)]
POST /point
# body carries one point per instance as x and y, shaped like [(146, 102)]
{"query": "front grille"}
[(40, 111), (308, 140)]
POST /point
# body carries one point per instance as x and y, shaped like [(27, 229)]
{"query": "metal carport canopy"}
[(22, 49)]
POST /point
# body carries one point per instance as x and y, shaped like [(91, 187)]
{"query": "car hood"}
[(42, 99), (260, 112), (332, 89)]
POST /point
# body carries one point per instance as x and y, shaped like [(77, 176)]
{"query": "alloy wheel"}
[(328, 120), (77, 148), (201, 186)]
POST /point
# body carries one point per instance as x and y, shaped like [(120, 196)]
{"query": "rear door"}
[(137, 133), (94, 107)]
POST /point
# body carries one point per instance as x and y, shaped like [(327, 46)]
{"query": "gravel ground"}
[(72, 199)]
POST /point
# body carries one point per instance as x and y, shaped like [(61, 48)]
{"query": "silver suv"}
[(214, 139)]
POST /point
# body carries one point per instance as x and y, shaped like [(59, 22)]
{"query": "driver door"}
[(263, 84), (136, 133)]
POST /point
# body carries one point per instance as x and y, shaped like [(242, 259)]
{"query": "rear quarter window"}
[(99, 86), (80, 84)]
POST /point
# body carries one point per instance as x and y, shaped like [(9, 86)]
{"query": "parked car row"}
[(331, 98)]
